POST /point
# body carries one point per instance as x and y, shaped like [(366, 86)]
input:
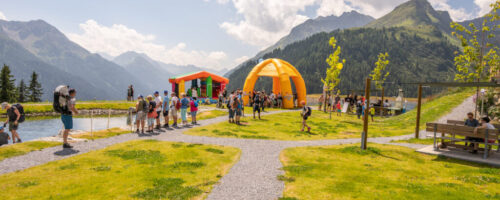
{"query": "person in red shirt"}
[(194, 109)]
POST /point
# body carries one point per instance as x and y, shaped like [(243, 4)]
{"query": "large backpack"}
[(178, 104), (20, 108), (145, 106), (61, 97)]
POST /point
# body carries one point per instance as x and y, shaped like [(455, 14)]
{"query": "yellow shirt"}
[(372, 111)]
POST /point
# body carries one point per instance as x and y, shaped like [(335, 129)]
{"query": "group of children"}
[(154, 106)]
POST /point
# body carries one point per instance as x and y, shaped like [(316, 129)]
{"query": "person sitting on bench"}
[(471, 122), (485, 124)]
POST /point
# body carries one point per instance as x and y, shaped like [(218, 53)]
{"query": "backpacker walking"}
[(64, 103), (142, 108), (15, 115)]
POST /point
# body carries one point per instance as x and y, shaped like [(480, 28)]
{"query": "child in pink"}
[(194, 109)]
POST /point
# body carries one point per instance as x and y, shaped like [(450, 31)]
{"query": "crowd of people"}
[(151, 108), (355, 104)]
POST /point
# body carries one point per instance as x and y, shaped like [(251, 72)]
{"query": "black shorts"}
[(158, 114), (165, 113), (256, 108), (305, 117)]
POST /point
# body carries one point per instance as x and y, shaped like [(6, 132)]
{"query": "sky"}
[(207, 33)]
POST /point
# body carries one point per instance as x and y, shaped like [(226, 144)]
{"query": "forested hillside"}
[(413, 59)]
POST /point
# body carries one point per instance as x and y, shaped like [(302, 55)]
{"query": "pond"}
[(33, 129)]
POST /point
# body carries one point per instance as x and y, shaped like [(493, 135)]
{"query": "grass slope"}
[(383, 172), (24, 148), (286, 126), (102, 133), (146, 169)]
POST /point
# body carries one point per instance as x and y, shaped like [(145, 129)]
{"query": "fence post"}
[(419, 106), (109, 116), (435, 133), (91, 124), (364, 136), (486, 150)]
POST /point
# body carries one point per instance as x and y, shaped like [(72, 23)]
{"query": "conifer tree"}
[(7, 87), (35, 89)]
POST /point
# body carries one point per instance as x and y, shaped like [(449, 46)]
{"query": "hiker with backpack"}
[(194, 109), (142, 108), (64, 103), (151, 113), (306, 113), (15, 115), (174, 107)]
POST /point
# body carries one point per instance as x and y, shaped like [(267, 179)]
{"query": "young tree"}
[(377, 73), (7, 87), (378, 76), (35, 89), (332, 78), (473, 62), (22, 92)]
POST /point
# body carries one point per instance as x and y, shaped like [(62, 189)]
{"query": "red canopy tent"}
[(210, 86)]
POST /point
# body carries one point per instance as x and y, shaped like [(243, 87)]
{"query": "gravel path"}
[(253, 177)]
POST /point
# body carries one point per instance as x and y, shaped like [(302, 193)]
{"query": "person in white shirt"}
[(194, 92), (173, 108), (485, 124), (158, 109)]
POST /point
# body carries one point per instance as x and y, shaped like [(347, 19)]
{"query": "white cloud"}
[(484, 6), (265, 21), (241, 59), (117, 39), (2, 16)]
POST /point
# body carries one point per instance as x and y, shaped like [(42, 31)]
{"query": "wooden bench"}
[(458, 122), (490, 136)]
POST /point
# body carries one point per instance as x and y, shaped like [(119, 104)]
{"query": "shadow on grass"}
[(66, 152)]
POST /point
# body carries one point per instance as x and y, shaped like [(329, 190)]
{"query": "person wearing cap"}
[(13, 116), (166, 107), (141, 108), (4, 137), (159, 104), (173, 108), (67, 117)]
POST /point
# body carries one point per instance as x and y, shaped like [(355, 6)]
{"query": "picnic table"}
[(450, 130)]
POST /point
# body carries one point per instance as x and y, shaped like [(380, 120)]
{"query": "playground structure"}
[(281, 72), (210, 84)]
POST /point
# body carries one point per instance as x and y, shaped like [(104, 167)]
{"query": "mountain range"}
[(416, 36), (40, 47), (312, 26)]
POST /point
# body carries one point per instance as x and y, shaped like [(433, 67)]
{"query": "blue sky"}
[(210, 33)]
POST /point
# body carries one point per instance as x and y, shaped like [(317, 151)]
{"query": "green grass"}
[(286, 126), (383, 172), (102, 133), (146, 169), (24, 148), (43, 107)]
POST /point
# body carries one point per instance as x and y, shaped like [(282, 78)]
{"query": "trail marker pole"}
[(364, 135)]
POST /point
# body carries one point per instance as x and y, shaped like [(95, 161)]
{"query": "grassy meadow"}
[(383, 172), (145, 169), (286, 126), (24, 148)]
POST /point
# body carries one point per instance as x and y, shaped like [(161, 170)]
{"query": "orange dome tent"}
[(281, 72)]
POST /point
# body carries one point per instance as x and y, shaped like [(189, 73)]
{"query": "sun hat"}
[(4, 105)]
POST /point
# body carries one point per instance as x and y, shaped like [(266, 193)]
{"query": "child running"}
[(306, 112), (194, 109), (339, 109), (372, 111)]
